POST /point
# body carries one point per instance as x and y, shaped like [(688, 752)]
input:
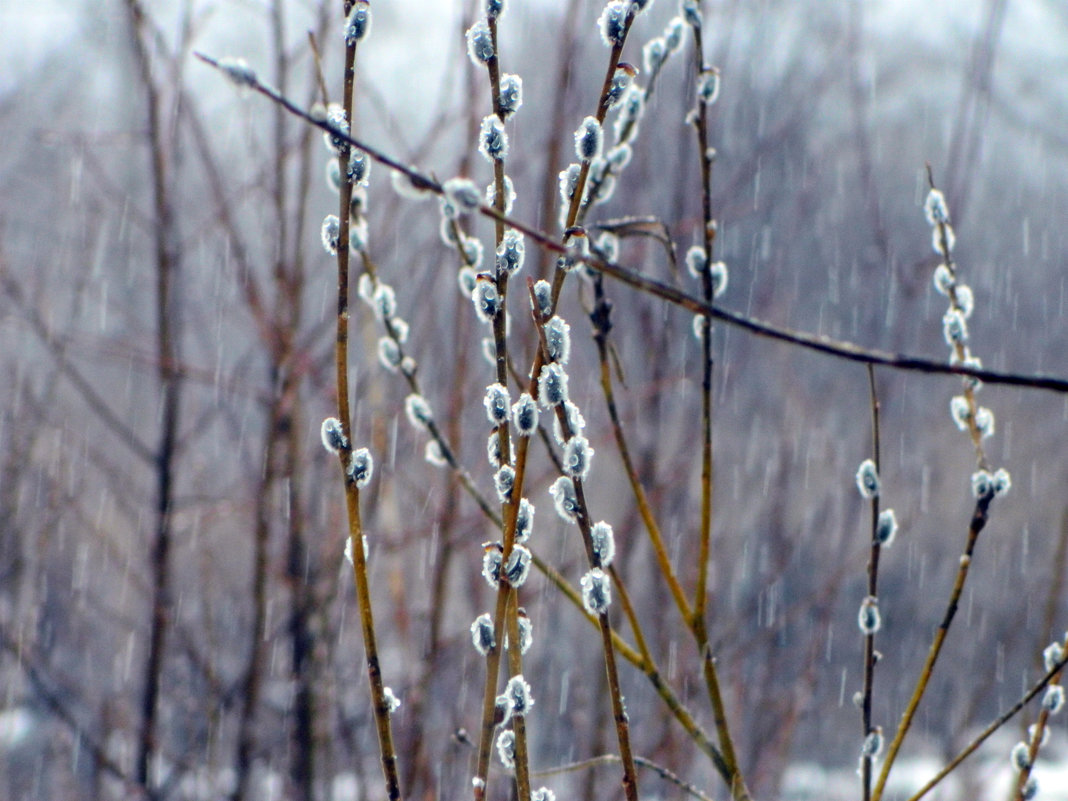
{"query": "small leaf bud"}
[(238, 71)]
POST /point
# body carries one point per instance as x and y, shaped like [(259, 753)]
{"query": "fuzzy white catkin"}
[(517, 568), (564, 499), (588, 139), (1053, 653), (493, 139), (596, 591), (575, 424), (696, 261), (504, 481), (868, 617), (385, 302), (418, 411), (552, 385), (330, 232), (886, 528), (462, 194), (358, 24), (491, 564), (479, 43), (543, 295), (720, 277), (509, 194), (558, 340), (577, 458), (487, 300), (361, 467), (935, 209), (621, 80), (708, 86), (497, 404), (482, 634), (433, 455), (333, 436), (604, 543), (868, 479), (519, 695), (506, 748), (613, 23), (654, 53), (524, 521), (511, 94), (511, 253), (525, 415)]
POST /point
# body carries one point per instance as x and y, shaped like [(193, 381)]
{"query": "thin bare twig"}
[(815, 342)]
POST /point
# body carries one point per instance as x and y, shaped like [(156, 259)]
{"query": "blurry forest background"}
[(124, 160)]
